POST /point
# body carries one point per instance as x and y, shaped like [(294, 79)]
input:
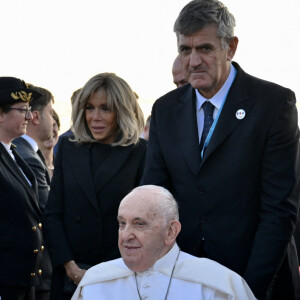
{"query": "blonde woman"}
[(94, 170)]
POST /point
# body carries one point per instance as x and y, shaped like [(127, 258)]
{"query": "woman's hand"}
[(74, 273)]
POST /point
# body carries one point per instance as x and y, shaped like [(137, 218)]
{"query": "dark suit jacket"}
[(20, 216), (241, 198), (81, 214), (38, 167), (40, 171)]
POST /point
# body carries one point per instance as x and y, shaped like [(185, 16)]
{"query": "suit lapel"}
[(14, 169), (237, 99), (111, 165), (80, 162), (188, 130)]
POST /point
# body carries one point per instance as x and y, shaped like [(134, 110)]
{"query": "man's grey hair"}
[(197, 14), (167, 205)]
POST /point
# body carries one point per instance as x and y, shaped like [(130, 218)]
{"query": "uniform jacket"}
[(81, 214), (40, 171), (242, 197), (21, 240)]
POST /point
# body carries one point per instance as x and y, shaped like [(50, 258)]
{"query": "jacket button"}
[(35, 251), (42, 248), (40, 272), (40, 225), (32, 274), (33, 228)]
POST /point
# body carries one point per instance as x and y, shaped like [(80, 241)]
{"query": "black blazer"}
[(81, 214), (38, 167), (241, 199), (40, 171), (21, 238)]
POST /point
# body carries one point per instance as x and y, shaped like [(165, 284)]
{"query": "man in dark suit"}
[(39, 129), (225, 145)]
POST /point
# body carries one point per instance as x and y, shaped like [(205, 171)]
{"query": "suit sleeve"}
[(155, 170), (43, 187), (55, 235), (279, 195)]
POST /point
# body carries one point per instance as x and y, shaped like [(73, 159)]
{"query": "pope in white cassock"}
[(152, 265)]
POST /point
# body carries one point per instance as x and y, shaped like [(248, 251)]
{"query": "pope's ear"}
[(173, 231)]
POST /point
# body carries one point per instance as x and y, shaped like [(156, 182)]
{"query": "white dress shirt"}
[(216, 100)]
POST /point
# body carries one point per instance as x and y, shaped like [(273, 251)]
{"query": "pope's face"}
[(206, 64), (142, 232)]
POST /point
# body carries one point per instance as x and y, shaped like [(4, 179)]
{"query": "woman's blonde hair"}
[(120, 99)]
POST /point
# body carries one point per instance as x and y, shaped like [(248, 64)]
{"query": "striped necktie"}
[(208, 109)]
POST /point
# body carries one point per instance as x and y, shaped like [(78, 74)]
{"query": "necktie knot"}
[(208, 109)]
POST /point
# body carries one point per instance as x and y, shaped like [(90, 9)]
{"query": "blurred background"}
[(60, 44)]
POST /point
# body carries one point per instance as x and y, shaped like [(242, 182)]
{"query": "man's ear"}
[(232, 48), (173, 231), (36, 116)]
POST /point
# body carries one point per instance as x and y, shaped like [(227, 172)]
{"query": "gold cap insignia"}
[(22, 95)]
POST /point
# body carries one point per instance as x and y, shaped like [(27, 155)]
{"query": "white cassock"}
[(193, 278)]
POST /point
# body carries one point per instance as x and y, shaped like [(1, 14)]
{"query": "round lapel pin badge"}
[(240, 114)]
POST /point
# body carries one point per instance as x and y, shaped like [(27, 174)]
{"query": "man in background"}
[(178, 73)]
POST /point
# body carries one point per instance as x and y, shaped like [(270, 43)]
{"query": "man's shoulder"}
[(258, 85), (21, 142), (23, 148), (174, 96)]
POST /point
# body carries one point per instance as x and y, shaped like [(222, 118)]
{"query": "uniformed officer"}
[(21, 239)]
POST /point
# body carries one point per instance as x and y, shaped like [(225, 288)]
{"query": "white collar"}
[(166, 262), (8, 149), (7, 146), (218, 98)]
